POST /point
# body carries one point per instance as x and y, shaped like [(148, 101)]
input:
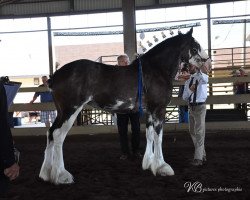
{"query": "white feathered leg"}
[(47, 163), (59, 175), (159, 166), (148, 156)]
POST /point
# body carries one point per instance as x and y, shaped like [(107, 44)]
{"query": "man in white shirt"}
[(195, 93)]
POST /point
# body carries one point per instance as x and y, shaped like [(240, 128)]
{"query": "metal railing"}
[(225, 60)]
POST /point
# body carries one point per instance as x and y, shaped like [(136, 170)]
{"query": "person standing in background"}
[(241, 88), (122, 124)]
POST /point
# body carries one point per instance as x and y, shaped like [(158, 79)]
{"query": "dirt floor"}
[(100, 175)]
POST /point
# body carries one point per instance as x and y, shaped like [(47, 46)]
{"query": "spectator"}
[(240, 87), (33, 115), (49, 115)]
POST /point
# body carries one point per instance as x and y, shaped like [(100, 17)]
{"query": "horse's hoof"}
[(146, 162), (63, 177), (45, 174), (165, 170)]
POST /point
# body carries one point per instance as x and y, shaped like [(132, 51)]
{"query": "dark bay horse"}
[(116, 89)]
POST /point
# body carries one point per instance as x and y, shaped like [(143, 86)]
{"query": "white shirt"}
[(201, 93)]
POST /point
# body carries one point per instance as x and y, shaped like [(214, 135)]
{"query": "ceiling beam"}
[(9, 7), (4, 2)]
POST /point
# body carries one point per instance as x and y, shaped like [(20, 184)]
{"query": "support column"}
[(51, 64), (129, 28), (209, 45), (72, 5), (209, 29), (244, 42)]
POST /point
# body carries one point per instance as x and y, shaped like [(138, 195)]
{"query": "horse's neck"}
[(165, 62)]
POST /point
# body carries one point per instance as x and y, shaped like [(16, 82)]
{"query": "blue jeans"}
[(183, 114)]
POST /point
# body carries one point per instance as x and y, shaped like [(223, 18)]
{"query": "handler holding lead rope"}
[(195, 93)]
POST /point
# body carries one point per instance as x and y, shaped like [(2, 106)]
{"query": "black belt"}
[(197, 104)]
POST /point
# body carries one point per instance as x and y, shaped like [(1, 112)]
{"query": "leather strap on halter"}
[(202, 59)]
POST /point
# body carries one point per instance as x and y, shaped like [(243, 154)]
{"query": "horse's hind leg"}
[(159, 166), (59, 175), (148, 156), (48, 155)]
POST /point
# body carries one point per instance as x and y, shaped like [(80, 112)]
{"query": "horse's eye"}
[(194, 50)]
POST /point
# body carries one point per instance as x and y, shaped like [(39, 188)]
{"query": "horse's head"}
[(194, 54)]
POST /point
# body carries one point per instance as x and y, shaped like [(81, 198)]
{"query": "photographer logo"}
[(194, 187), (197, 187)]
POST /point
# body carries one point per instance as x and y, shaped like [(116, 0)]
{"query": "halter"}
[(195, 51), (200, 59)]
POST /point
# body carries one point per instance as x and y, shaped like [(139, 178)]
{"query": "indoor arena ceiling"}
[(3, 2), (29, 8)]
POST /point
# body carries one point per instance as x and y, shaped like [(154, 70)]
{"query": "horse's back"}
[(86, 70), (84, 78), (75, 66), (74, 72)]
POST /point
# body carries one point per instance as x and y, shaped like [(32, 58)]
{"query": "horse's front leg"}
[(148, 156), (159, 166)]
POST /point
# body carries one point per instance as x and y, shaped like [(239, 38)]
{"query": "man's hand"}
[(206, 67), (183, 77), (12, 172), (192, 88)]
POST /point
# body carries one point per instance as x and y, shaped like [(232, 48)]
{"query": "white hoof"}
[(146, 162), (165, 170), (162, 168), (45, 173), (65, 178), (62, 177)]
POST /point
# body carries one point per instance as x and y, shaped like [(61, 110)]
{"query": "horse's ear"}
[(190, 32)]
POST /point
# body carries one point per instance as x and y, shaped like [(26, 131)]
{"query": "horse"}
[(115, 89)]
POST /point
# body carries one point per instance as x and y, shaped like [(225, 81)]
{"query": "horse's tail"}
[(50, 81), (50, 135), (50, 84)]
